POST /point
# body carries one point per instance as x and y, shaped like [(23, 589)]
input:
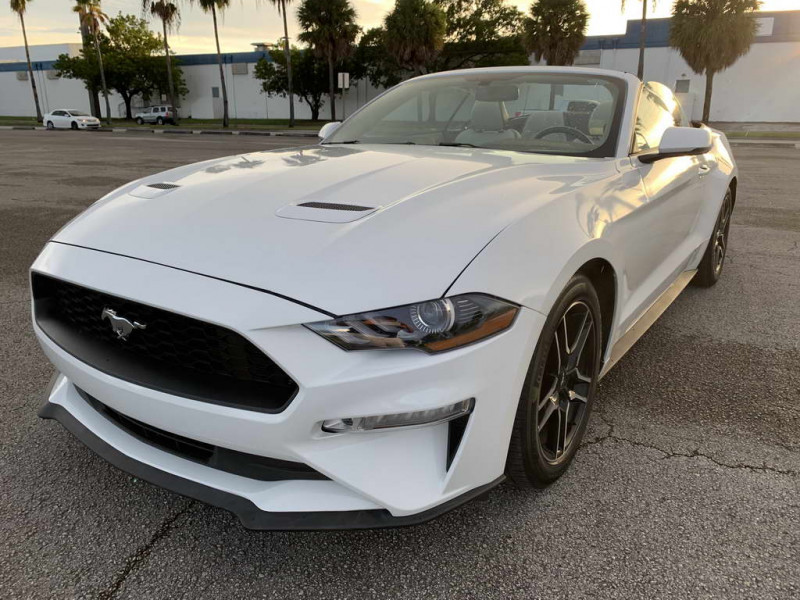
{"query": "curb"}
[(309, 134), (765, 144)]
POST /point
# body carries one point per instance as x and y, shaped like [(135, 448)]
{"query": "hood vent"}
[(325, 212), (333, 206), (153, 190)]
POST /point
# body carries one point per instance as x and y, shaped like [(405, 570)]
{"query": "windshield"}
[(78, 113), (554, 113)]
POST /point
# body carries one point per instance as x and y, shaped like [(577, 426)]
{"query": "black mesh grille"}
[(163, 186), (217, 457), (173, 353), (334, 206)]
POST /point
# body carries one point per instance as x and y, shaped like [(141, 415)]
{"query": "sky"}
[(247, 21)]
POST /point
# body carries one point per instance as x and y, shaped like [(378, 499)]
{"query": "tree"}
[(414, 33), (170, 19), (131, 59), (642, 36), (213, 6), (711, 35), (281, 5), (372, 61), (19, 7), (481, 33), (329, 27), (92, 17), (555, 30), (310, 81)]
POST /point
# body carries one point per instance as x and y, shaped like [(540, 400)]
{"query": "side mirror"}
[(680, 141), (328, 129)]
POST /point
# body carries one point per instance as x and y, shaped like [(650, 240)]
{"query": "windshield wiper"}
[(344, 142), (459, 145)]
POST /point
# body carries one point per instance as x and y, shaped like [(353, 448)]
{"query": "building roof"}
[(185, 60)]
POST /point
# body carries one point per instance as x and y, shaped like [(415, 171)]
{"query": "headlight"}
[(433, 326)]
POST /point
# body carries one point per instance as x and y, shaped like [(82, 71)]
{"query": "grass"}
[(778, 135), (236, 124)]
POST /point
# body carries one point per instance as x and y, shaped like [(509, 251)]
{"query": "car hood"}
[(424, 214)]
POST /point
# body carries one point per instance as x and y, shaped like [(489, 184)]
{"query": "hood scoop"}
[(325, 212), (153, 190)]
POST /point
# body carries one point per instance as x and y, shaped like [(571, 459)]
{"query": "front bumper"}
[(381, 478)]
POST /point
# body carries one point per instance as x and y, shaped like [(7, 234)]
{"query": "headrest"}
[(601, 119), (488, 116)]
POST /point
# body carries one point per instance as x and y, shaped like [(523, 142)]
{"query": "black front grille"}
[(172, 353), (217, 457)]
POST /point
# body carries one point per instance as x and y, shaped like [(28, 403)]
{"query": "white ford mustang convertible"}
[(372, 330)]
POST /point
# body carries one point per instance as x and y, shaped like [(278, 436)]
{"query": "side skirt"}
[(647, 319)]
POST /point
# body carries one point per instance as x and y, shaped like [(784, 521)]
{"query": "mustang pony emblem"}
[(120, 325)]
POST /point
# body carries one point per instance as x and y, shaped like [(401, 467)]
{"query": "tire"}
[(139, 121), (710, 269), (73, 125), (50, 125), (552, 394), (160, 121)]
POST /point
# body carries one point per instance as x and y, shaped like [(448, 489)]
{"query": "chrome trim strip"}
[(644, 322)]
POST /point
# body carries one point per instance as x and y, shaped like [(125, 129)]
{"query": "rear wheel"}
[(160, 120), (50, 125), (710, 268), (559, 389)]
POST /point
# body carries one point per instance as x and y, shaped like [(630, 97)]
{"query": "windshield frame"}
[(608, 149)]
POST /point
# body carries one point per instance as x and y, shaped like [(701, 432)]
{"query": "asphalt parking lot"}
[(688, 485)]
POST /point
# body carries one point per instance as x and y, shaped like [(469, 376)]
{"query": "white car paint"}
[(224, 241), (68, 118)]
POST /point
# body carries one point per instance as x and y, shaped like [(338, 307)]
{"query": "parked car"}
[(156, 114), (373, 330), (68, 118)]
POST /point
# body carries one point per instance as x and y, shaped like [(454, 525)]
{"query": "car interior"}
[(543, 114)]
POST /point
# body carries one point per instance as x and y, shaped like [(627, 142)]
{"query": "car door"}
[(58, 118), (658, 246)]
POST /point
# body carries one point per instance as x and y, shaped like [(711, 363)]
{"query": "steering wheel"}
[(576, 134)]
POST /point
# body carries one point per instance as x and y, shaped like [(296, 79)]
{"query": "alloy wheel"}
[(721, 234), (568, 376)]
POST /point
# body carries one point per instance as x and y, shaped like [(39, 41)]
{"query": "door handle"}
[(703, 169)]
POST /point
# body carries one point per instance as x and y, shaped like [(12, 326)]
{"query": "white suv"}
[(156, 114)]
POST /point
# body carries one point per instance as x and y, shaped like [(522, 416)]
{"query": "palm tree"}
[(329, 27), (414, 33), (555, 30), (642, 36), (19, 7), (92, 16), (170, 19), (213, 6), (711, 35), (281, 5)]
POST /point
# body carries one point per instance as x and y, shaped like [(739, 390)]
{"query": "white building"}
[(763, 86), (201, 72)]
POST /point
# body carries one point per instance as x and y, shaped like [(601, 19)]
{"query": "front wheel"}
[(139, 121), (710, 268), (73, 125), (559, 389)]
